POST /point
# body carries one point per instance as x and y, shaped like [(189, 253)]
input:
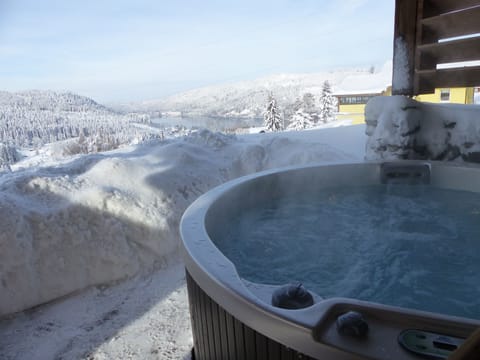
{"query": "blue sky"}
[(115, 50)]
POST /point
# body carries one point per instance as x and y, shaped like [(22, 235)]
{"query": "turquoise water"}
[(415, 247)]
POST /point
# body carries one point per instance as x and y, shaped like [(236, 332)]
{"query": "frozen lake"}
[(213, 124)]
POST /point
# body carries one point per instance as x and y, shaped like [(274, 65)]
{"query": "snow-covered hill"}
[(31, 119), (42, 100), (248, 98)]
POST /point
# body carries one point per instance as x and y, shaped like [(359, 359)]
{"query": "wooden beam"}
[(457, 77), (404, 47), (459, 23), (425, 61), (445, 52), (438, 7)]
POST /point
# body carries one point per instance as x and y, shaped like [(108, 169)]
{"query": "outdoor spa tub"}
[(337, 261)]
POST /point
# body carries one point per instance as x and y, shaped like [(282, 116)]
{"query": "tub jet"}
[(292, 297)]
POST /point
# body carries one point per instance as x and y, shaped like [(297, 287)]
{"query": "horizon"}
[(353, 71), (117, 52)]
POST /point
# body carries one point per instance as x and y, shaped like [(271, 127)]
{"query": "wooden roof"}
[(433, 32)]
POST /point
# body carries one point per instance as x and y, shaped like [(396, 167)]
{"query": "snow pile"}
[(402, 128), (104, 217)]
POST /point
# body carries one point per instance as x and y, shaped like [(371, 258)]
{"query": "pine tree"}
[(309, 102), (328, 103), (271, 115), (309, 107), (300, 121)]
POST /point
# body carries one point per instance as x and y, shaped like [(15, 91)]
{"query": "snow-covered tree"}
[(309, 106), (328, 103), (309, 102), (291, 108), (300, 121), (8, 155), (271, 116)]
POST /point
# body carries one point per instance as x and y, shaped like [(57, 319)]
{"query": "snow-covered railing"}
[(400, 128), (436, 44)]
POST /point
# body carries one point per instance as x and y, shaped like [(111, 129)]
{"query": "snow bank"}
[(102, 218), (402, 128)]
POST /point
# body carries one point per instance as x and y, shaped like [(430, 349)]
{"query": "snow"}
[(142, 318), (361, 83), (401, 73), (71, 230), (300, 121), (386, 119), (401, 128), (77, 124)]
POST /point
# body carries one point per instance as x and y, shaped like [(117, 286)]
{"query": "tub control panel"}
[(429, 344), (374, 331)]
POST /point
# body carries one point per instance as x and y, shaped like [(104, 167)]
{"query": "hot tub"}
[(233, 317)]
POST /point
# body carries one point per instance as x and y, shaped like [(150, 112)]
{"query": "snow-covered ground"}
[(72, 232)]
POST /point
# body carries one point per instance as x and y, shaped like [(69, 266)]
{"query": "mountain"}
[(46, 100), (31, 119), (248, 98)]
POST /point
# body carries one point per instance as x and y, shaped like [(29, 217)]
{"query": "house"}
[(354, 91), (351, 106), (456, 95)]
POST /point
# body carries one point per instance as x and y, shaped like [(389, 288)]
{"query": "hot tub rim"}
[(296, 328)]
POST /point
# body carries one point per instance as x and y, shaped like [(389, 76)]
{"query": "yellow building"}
[(449, 95), (355, 90), (352, 106)]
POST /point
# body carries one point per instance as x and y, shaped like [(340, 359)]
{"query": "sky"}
[(122, 51)]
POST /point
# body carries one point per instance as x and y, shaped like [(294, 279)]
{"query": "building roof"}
[(366, 83)]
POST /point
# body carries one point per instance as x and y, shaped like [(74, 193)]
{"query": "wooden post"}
[(404, 44)]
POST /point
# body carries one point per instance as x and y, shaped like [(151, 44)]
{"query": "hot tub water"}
[(411, 246)]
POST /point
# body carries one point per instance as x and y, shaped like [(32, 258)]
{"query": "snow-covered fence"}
[(401, 128)]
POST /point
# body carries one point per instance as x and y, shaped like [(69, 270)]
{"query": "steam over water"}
[(409, 246)]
